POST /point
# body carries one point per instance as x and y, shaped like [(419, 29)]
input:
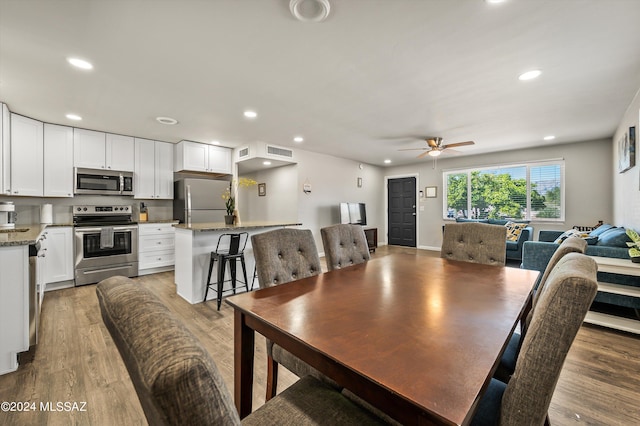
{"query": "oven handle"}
[(115, 228)]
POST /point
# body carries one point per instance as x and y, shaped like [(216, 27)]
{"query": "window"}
[(517, 192)]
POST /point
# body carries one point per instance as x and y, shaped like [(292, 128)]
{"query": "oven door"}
[(95, 261)]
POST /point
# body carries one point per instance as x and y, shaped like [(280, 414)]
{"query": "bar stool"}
[(230, 248)]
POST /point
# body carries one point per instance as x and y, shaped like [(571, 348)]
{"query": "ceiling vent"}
[(243, 152), (279, 152)]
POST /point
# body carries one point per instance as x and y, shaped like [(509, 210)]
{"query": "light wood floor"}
[(76, 361)]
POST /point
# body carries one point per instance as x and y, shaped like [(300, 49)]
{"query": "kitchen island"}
[(194, 243)]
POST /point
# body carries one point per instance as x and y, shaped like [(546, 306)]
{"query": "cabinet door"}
[(119, 153), (59, 255), (5, 151), (144, 173), (89, 149), (164, 171), (195, 156), (219, 159), (58, 161), (26, 156)]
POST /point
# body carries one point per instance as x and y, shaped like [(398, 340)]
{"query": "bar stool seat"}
[(230, 249)]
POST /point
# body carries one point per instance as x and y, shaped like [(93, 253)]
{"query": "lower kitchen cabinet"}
[(156, 247), (57, 247)]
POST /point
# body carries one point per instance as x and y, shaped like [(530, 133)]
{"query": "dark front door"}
[(402, 211)]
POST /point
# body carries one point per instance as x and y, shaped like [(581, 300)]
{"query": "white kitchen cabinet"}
[(156, 247), (14, 305), (119, 152), (199, 157), (5, 151), (153, 177), (58, 161), (99, 150), (27, 154), (58, 249)]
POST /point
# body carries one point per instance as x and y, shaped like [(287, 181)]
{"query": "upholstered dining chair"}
[(177, 381), (282, 256), (562, 305), (508, 361), (344, 245), (474, 242)]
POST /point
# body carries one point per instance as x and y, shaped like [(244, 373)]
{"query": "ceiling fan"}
[(435, 146)]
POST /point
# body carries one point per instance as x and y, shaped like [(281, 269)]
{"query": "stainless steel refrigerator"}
[(199, 200)]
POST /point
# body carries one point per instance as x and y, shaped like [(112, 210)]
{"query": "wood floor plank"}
[(76, 361)]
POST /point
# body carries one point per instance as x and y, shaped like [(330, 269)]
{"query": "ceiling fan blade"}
[(412, 149), (450, 145), (423, 154)]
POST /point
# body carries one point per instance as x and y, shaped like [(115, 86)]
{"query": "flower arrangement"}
[(634, 247), (228, 196)]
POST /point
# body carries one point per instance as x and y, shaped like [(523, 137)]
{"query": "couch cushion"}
[(464, 219), (512, 245), (514, 230), (615, 237), (600, 230)]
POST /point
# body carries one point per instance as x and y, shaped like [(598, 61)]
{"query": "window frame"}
[(528, 165)]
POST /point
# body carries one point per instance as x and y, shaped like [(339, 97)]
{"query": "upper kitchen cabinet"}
[(99, 150), (58, 161), (5, 151), (153, 178), (27, 156), (199, 157)]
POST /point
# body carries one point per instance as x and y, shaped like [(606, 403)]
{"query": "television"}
[(353, 213)]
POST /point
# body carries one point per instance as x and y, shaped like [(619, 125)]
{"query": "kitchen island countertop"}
[(219, 226)]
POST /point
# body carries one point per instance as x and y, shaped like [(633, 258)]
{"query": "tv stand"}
[(372, 238)]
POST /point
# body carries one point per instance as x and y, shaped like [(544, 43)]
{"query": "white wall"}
[(588, 184), (333, 180), (626, 186)]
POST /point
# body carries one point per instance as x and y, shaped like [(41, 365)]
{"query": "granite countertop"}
[(24, 234), (219, 226)]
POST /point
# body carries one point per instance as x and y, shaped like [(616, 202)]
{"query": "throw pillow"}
[(514, 230), (572, 233), (615, 237), (601, 230)]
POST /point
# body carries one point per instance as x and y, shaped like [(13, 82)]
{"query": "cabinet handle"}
[(159, 258), (15, 192), (159, 242)]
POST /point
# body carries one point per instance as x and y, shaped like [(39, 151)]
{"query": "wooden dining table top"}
[(418, 337)]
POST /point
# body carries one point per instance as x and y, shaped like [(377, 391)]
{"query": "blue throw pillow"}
[(591, 241), (600, 230), (614, 237)]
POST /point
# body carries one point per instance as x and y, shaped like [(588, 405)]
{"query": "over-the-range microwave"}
[(103, 182)]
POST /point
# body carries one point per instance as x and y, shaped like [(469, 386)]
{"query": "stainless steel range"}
[(106, 243)]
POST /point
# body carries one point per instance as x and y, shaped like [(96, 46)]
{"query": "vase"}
[(228, 219)]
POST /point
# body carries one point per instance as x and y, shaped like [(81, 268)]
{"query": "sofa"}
[(514, 248), (536, 255)]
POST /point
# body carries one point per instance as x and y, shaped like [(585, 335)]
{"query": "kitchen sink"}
[(6, 231)]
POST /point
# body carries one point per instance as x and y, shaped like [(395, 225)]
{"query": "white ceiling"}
[(357, 85)]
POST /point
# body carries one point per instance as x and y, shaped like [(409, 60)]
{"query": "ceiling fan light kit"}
[(435, 147)]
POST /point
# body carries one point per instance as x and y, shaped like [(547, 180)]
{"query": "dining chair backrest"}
[(475, 242), (569, 245), (285, 255), (344, 245), (562, 307)]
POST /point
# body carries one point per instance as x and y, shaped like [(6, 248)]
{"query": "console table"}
[(622, 267)]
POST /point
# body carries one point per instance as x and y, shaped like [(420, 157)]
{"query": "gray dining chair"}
[(475, 242), (282, 256), (344, 245), (509, 357), (560, 311), (177, 381)]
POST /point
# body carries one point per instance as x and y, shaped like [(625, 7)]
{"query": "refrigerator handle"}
[(188, 204)]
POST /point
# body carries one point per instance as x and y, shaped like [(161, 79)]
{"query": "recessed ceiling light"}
[(310, 10), (250, 114), (549, 138), (167, 120), (387, 161), (529, 75), (298, 139), (495, 1), (215, 142), (80, 63), (266, 163), (75, 117)]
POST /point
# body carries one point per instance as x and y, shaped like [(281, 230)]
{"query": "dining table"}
[(417, 337)]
